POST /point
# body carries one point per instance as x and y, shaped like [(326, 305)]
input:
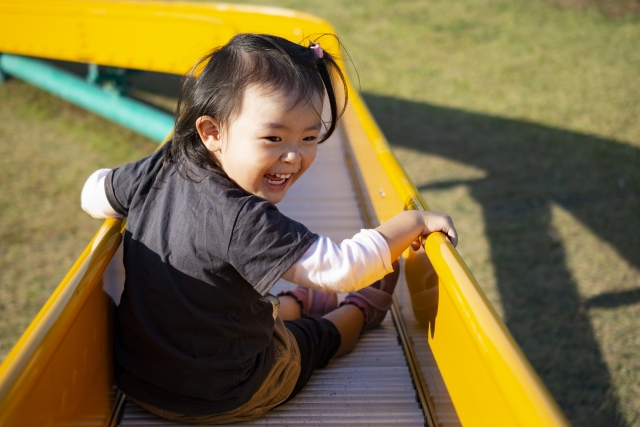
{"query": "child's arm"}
[(367, 257), (403, 229), (94, 197)]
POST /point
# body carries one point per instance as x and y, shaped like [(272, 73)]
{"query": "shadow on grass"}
[(528, 168), (614, 299)]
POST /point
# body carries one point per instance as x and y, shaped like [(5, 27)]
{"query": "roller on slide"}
[(465, 366)]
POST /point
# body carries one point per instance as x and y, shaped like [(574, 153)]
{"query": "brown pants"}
[(275, 389)]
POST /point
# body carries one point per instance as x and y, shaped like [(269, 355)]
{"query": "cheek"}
[(309, 155)]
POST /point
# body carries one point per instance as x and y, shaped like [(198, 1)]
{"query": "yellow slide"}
[(466, 367)]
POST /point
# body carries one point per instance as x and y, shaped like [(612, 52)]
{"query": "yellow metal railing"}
[(60, 372), (154, 36), (489, 379)]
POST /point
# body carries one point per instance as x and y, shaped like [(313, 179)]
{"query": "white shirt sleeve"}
[(94, 196), (351, 265)]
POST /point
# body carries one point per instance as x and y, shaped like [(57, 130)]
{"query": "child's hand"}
[(410, 227), (434, 221)]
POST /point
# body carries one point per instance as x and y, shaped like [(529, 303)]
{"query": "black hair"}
[(215, 87)]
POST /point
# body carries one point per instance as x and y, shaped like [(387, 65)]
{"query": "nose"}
[(291, 155)]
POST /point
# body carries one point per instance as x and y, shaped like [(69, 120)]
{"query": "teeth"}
[(278, 182), (283, 177)]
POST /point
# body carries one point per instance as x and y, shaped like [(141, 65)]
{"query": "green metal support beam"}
[(127, 112)]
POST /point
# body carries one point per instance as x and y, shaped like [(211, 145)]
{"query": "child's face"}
[(269, 145)]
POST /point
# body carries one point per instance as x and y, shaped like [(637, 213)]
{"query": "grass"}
[(47, 150), (517, 117)]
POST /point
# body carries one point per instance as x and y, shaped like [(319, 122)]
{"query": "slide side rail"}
[(487, 376), (60, 372)]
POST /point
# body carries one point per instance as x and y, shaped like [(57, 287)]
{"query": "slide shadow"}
[(528, 168)]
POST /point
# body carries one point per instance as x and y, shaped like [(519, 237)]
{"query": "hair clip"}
[(317, 50)]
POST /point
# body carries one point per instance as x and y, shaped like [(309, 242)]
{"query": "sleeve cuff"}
[(93, 198), (382, 246)]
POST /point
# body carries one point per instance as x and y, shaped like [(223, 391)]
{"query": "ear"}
[(210, 133)]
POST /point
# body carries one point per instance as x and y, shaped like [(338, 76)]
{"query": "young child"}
[(197, 338)]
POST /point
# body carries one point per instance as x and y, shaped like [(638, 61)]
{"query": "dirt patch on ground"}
[(609, 8)]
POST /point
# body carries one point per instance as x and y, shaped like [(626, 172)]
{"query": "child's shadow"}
[(528, 167)]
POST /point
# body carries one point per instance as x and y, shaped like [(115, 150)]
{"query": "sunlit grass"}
[(47, 149)]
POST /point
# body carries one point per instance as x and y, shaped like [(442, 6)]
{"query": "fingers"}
[(449, 230), (439, 222), (415, 245), (452, 235)]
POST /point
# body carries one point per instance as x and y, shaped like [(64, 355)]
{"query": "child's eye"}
[(273, 138), (310, 138)]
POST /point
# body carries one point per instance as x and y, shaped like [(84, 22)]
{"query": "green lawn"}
[(520, 118), (47, 149)]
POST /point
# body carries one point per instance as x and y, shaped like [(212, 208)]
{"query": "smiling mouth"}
[(277, 179)]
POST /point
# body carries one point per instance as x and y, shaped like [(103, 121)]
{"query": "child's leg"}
[(349, 321), (306, 302), (289, 308), (364, 309), (337, 332)]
